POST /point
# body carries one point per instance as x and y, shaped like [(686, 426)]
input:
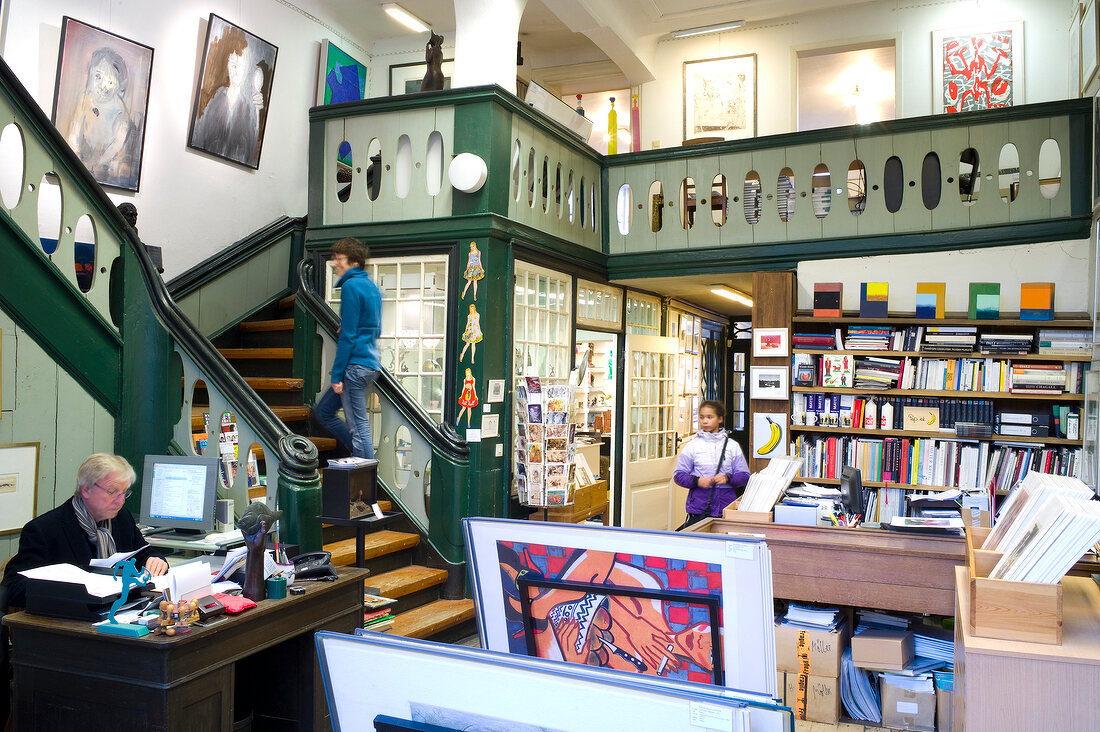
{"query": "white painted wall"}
[(403, 50), (909, 23), (190, 203), (1065, 263)]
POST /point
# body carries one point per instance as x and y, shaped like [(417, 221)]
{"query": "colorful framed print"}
[(769, 342), (340, 78), (978, 67), (101, 100), (234, 94), (720, 97)]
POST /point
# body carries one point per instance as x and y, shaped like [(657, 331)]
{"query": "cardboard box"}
[(813, 698), (908, 703), (781, 686), (814, 652), (885, 650), (945, 710)]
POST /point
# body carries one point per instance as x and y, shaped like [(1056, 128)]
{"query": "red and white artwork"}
[(979, 69)]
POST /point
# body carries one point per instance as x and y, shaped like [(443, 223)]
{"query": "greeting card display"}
[(545, 449)]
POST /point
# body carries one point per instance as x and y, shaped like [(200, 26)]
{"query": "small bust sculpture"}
[(433, 55), (254, 523)]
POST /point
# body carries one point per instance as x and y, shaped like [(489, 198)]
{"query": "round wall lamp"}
[(467, 172)]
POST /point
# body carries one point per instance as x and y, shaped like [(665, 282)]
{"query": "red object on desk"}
[(234, 603)]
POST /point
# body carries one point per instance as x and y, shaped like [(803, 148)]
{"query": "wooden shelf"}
[(938, 354), (1062, 320), (932, 435), (881, 484), (940, 393)]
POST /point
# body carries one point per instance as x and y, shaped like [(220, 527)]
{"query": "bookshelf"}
[(944, 393)]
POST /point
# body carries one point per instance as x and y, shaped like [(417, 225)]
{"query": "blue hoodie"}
[(360, 323)]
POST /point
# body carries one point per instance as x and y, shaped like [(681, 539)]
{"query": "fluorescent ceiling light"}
[(405, 18), (731, 294), (717, 28)]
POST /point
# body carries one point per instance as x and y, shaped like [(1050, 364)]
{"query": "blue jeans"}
[(357, 380), (324, 411)]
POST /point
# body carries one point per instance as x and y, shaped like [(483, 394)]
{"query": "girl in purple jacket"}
[(711, 466)]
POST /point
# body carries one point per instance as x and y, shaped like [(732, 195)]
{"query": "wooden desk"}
[(871, 568), (67, 676), (1002, 685)]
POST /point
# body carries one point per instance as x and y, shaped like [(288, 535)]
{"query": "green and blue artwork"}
[(343, 79), (985, 301)]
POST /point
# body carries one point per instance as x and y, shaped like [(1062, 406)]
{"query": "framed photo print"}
[(978, 67), (406, 78), (18, 485), (100, 102), (234, 93), (769, 342), (720, 97), (769, 382)]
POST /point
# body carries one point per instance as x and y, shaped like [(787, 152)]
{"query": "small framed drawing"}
[(769, 382), (406, 78), (769, 342), (496, 391), (490, 426), (1090, 46), (583, 473), (720, 97), (18, 485)]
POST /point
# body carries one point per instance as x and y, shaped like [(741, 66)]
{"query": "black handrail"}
[(441, 435), (297, 455)]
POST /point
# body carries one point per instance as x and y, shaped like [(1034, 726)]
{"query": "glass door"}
[(595, 398)]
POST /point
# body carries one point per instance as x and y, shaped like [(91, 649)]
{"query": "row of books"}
[(1064, 342), (846, 410), (932, 461), (947, 339)]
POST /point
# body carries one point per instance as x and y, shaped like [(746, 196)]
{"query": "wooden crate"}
[(754, 517), (1018, 611), (588, 501)]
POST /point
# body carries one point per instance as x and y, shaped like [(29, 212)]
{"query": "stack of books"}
[(1037, 378), (877, 373), (869, 338), (1005, 343), (819, 341), (950, 339), (816, 618), (1061, 342), (378, 613)]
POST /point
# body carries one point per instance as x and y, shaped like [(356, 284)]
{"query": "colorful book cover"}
[(930, 299), (836, 371), (985, 301), (828, 297), (1037, 301), (873, 299)]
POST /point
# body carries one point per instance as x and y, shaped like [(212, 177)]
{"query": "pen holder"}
[(276, 588)]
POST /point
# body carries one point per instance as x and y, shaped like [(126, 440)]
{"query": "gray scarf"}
[(99, 535)]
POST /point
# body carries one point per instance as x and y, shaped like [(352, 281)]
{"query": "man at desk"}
[(92, 524)]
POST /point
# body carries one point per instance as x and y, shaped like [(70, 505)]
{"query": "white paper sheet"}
[(116, 558), (99, 585)]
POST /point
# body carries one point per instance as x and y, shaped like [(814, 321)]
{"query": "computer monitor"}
[(851, 490), (178, 492)]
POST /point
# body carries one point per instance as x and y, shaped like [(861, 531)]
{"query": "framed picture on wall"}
[(1074, 85), (1090, 46), (978, 67), (720, 97), (406, 78), (769, 342), (101, 99), (1095, 158), (18, 485), (769, 382), (234, 93), (340, 78)]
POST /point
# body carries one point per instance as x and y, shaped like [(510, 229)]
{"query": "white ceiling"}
[(696, 289)]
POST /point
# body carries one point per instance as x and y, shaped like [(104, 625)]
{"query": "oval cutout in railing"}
[(402, 173), (378, 423), (753, 197), (1008, 173), (557, 190), (1050, 168), (784, 200), (230, 466), (857, 187), (582, 196), (893, 183), (593, 208), (930, 186), (656, 206), (821, 193), (531, 178), (687, 203), (433, 162), (12, 165), (402, 453), (718, 200), (199, 447), (544, 184), (515, 171), (374, 169), (571, 199), (428, 487), (255, 466), (49, 212), (84, 253), (343, 172), (624, 206), (970, 176)]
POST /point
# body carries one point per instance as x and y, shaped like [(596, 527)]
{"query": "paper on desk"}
[(99, 585), (189, 581), (116, 558), (233, 560)]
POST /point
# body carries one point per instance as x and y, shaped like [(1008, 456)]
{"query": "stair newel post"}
[(299, 493)]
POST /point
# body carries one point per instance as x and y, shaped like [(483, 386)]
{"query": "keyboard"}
[(226, 537)]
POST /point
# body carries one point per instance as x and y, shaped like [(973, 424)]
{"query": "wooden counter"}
[(1010, 685), (887, 570)]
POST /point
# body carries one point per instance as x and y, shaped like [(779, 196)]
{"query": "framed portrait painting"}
[(234, 93), (101, 98), (720, 97), (406, 78), (979, 67)]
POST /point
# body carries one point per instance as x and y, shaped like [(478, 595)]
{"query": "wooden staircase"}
[(261, 350)]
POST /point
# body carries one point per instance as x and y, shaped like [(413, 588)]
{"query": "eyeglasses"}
[(115, 494)]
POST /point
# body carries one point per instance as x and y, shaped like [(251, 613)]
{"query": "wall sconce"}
[(467, 172)]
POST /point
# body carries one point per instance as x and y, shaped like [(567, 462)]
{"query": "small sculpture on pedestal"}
[(433, 55), (254, 523)]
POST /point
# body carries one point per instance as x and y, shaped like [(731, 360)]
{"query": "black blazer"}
[(55, 537)]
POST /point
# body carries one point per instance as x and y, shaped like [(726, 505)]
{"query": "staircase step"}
[(265, 383), (286, 414), (375, 544), (254, 354), (407, 580), (433, 618), (323, 444), (262, 326), (287, 303)]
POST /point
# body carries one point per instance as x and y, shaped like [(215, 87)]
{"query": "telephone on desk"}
[(314, 566)]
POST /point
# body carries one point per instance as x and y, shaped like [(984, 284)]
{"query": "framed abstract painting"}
[(979, 67), (101, 97), (234, 93), (340, 77)]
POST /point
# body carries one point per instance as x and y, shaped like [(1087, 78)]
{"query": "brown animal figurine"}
[(433, 54)]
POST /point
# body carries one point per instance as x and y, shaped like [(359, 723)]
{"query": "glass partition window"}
[(688, 328), (643, 314), (412, 344), (541, 339), (652, 393), (599, 306)]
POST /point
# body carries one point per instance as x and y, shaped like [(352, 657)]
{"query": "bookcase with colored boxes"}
[(936, 403)]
